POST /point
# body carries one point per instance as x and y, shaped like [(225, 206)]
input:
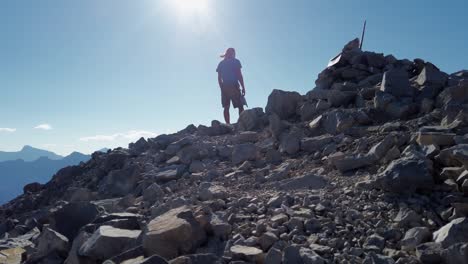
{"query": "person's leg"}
[(226, 115)]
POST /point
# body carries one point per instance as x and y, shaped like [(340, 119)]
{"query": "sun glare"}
[(188, 8)]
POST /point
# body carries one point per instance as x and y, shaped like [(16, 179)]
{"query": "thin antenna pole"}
[(363, 33)]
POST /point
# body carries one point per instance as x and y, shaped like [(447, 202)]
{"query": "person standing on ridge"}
[(229, 77)]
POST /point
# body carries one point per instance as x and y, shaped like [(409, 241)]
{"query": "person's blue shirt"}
[(228, 69)]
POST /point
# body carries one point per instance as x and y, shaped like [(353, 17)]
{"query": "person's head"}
[(229, 54)]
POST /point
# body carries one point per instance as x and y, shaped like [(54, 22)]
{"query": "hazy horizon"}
[(83, 75)]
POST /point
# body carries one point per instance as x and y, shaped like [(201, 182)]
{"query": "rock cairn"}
[(370, 166)]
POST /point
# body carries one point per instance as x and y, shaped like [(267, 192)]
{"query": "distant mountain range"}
[(28, 153), (31, 165)]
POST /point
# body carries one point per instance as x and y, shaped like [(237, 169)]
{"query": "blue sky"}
[(81, 75)]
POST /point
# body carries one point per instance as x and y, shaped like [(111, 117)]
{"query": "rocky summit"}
[(370, 166)]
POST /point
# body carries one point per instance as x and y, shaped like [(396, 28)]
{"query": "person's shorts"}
[(231, 92)]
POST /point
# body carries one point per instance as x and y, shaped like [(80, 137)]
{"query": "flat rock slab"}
[(251, 254), (108, 241)]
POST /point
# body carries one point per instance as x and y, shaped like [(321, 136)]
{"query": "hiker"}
[(229, 77)]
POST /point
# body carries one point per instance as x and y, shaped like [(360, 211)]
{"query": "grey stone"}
[(273, 256), (267, 240), (108, 241), (310, 257), (292, 255), (374, 242), (414, 237), (436, 138), (197, 259), (407, 217), (456, 254), (345, 163), (316, 143), (68, 219), (50, 242), (429, 253), (173, 233), (251, 254), (153, 193), (308, 181), (283, 103), (406, 175), (430, 75), (290, 143), (251, 119), (452, 233), (396, 83), (373, 258), (244, 152), (212, 192)]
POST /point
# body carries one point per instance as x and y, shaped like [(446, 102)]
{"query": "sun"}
[(190, 8)]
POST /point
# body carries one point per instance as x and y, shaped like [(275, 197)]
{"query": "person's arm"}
[(220, 80), (241, 80)]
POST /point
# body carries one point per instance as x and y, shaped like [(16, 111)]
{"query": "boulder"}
[(290, 143), (396, 82), (292, 255), (121, 182), (310, 257), (432, 76), (351, 162), (244, 152), (107, 242), (456, 254), (212, 192), (153, 193), (266, 240), (414, 237), (68, 219), (251, 119), (429, 253), (407, 217), (453, 95), (283, 103), (334, 97), (138, 147), (50, 242), (337, 121), (247, 137), (454, 156), (452, 233), (373, 258), (276, 125), (173, 234), (167, 174), (250, 254), (436, 138), (406, 175), (73, 257), (32, 188), (314, 144), (273, 256)]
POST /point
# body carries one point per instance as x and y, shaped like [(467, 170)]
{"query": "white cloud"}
[(7, 129), (43, 127), (131, 135)]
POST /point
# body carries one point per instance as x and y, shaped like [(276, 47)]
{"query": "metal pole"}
[(363, 33)]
